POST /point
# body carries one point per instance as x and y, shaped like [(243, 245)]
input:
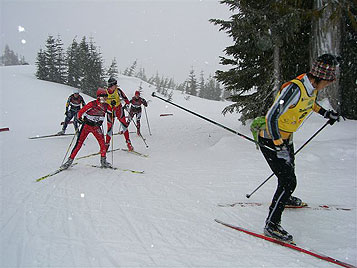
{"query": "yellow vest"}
[(114, 96), (294, 116)]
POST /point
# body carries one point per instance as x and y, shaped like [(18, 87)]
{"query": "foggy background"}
[(166, 36)]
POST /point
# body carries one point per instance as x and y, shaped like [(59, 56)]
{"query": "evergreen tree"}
[(181, 87), (92, 66), (264, 33), (348, 67), (60, 62), (141, 74), (41, 72), (201, 85), (171, 84), (131, 70), (156, 80), (113, 69), (74, 72), (51, 59), (192, 84), (81, 66), (211, 90), (23, 61), (9, 57)]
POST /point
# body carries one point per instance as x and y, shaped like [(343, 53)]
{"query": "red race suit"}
[(93, 116)]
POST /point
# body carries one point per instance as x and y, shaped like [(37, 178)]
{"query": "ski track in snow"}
[(89, 217)]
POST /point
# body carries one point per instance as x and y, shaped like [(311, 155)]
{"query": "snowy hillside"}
[(88, 217)]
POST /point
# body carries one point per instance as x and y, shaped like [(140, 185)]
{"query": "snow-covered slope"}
[(88, 217)]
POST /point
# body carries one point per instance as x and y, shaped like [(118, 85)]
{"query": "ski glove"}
[(332, 116), (282, 152)]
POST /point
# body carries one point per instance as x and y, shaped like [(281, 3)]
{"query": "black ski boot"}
[(294, 202), (67, 164), (275, 230), (104, 163)]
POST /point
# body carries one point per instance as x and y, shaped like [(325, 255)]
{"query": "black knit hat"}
[(112, 81), (325, 67)]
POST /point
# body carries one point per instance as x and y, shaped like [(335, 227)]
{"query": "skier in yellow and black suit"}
[(115, 97), (294, 102)]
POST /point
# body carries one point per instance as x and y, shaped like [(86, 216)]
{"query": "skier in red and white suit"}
[(93, 116)]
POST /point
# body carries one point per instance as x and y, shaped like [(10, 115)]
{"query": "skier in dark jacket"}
[(294, 102), (93, 116), (135, 109), (73, 105)]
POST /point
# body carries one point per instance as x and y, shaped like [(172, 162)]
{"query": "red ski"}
[(4, 129), (288, 245), (305, 206)]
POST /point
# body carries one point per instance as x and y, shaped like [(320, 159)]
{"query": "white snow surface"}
[(89, 217)]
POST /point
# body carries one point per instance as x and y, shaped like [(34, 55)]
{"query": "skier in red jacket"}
[(93, 116), (135, 109)]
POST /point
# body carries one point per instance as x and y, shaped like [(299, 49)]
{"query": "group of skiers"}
[(111, 103), (295, 100)]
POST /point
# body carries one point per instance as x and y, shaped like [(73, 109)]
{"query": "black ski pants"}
[(69, 115), (285, 172)]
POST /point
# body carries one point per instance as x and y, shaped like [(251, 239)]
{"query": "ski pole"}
[(302, 146), (75, 134), (141, 136), (147, 120), (213, 122), (113, 138)]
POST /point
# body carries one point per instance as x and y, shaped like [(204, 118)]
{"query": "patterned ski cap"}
[(325, 67)]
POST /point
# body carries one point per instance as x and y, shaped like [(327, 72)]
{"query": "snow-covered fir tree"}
[(81, 66), (51, 59), (60, 62), (191, 87), (141, 74), (9, 57), (130, 71), (41, 69), (211, 90), (74, 72), (269, 47), (113, 69)]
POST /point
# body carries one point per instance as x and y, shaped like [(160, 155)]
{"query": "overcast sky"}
[(166, 36)]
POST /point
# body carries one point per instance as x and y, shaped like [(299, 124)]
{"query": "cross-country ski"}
[(307, 206), (50, 136), (120, 169), (135, 153), (93, 154), (287, 245), (53, 173)]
